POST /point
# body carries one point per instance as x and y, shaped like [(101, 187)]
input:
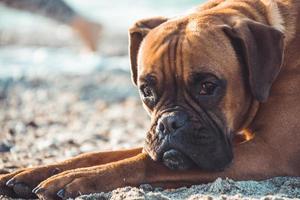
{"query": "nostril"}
[(161, 127), (177, 122), (175, 125), (170, 122)]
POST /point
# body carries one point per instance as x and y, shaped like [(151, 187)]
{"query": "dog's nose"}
[(170, 122)]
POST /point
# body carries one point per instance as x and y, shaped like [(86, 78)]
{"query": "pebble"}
[(146, 187), (5, 146)]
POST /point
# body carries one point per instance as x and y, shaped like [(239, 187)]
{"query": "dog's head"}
[(199, 79)]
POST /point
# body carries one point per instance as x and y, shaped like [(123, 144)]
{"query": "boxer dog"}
[(230, 66)]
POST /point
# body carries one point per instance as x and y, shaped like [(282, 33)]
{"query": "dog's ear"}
[(261, 49), (136, 35)]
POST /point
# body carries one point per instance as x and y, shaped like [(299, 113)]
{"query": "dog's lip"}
[(157, 153), (164, 145), (175, 159)]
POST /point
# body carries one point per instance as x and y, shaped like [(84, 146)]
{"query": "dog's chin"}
[(175, 160)]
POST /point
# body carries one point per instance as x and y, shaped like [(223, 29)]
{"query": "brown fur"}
[(275, 149)]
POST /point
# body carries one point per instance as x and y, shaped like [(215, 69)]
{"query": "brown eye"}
[(148, 96), (147, 92), (207, 88)]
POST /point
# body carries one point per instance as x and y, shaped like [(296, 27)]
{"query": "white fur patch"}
[(274, 15)]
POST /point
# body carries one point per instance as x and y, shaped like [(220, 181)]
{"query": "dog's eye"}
[(148, 95), (207, 88), (147, 92)]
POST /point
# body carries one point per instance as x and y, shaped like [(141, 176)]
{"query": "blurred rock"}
[(146, 187), (32, 124), (3, 171), (5, 146)]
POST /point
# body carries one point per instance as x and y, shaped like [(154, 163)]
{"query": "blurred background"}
[(65, 84)]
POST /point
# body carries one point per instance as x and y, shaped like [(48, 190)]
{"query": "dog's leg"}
[(21, 183), (253, 160)]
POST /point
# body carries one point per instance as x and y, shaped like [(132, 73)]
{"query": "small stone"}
[(3, 171), (158, 189), (146, 187), (5, 146), (32, 124), (19, 128), (12, 131)]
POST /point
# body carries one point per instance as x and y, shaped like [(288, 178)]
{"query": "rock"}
[(5, 146), (3, 171), (32, 124), (146, 187)]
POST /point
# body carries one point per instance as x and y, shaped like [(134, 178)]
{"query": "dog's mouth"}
[(188, 148), (160, 150), (182, 141), (172, 158), (176, 160)]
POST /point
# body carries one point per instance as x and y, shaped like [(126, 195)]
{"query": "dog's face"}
[(191, 84), (196, 88)]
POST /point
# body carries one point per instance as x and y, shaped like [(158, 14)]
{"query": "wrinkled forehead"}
[(187, 48)]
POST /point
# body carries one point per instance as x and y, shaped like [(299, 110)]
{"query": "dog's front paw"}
[(73, 183), (4, 189), (21, 183)]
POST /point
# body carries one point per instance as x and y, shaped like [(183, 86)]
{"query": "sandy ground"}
[(53, 118), (48, 119), (277, 188)]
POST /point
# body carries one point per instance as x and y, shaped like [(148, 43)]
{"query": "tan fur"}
[(274, 16)]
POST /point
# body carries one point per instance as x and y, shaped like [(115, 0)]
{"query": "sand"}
[(276, 188)]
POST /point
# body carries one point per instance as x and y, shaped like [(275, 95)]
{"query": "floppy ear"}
[(262, 49), (136, 35)]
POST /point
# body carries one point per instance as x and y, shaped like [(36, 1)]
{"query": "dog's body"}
[(237, 46)]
